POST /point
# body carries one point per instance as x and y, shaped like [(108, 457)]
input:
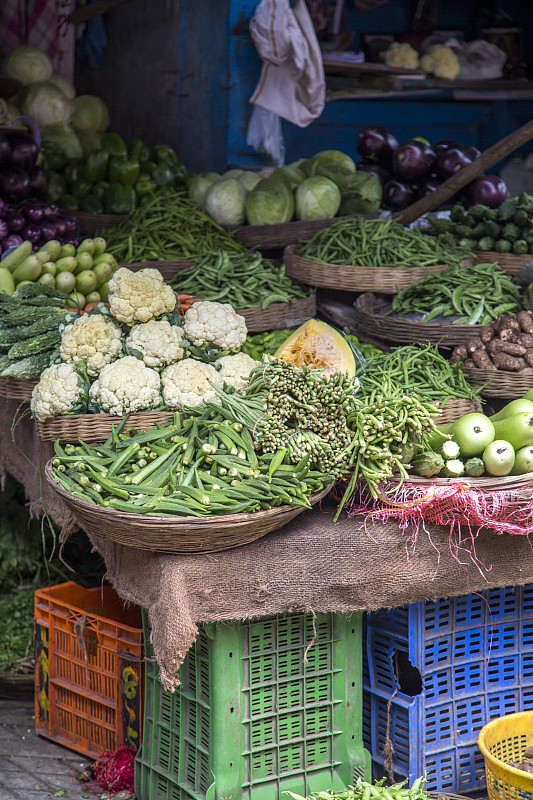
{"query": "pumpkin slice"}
[(319, 346)]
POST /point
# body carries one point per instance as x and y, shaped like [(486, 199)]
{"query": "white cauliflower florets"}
[(158, 341), (125, 386), (59, 391), (95, 339), (441, 61), (236, 369), (214, 323), (186, 383), (401, 54), (139, 296)]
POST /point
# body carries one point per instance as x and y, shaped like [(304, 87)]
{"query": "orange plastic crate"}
[(89, 676)]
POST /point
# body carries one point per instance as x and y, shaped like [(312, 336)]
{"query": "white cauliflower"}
[(92, 338), (186, 383), (401, 54), (441, 61), (61, 390), (125, 386), (158, 341), (214, 323), (236, 369), (139, 296)]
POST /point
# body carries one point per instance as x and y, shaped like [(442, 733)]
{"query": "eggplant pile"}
[(411, 170)]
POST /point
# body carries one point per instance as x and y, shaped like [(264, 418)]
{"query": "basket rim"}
[(461, 328), (290, 251), (497, 762), (522, 481)]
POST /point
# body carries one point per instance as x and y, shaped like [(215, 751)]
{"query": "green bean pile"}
[(378, 243), (167, 227), (363, 790), (418, 368), (205, 465), (475, 295), (267, 342), (245, 280)]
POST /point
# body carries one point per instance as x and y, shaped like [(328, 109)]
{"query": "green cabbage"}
[(89, 140), (90, 113), (291, 174), (364, 195), (233, 173), (317, 198), (225, 202), (67, 88), (198, 186), (46, 104), (65, 138), (338, 174), (331, 157), (249, 179), (271, 202), (27, 64)]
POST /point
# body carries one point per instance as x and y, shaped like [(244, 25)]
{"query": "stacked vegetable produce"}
[(506, 344)]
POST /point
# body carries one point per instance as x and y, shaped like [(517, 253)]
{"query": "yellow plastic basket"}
[(505, 739)]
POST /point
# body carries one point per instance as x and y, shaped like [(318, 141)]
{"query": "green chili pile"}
[(245, 280), (267, 342), (379, 243), (165, 228), (474, 295)]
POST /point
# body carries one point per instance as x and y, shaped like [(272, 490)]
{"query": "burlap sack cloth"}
[(311, 565)]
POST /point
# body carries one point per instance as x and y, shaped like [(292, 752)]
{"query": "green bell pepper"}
[(73, 172), (114, 144), (119, 199), (122, 170), (138, 151), (95, 167), (181, 174), (81, 188), (145, 185), (163, 176), (163, 152), (56, 187), (69, 202), (91, 204), (99, 188), (51, 156)]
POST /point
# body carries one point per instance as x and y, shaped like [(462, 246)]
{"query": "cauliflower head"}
[(158, 341), (401, 54), (125, 386), (139, 296), (61, 390), (236, 369), (214, 323), (92, 338), (441, 61), (186, 383)]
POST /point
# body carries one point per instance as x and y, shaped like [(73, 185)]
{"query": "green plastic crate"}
[(258, 712)]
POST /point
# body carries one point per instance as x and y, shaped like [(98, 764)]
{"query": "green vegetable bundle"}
[(267, 342), (379, 243), (245, 280), (168, 227), (473, 295), (363, 790)]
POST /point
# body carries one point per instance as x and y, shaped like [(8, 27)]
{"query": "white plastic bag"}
[(265, 135)]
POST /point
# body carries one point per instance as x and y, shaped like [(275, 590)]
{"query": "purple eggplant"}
[(72, 238), (38, 180), (397, 195), (382, 174), (69, 221), (455, 158), (488, 190), (444, 144), (48, 230), (32, 209), (15, 221), (413, 160), (376, 144), (5, 149), (428, 186), (31, 232), (24, 151), (61, 227), (14, 184), (13, 240), (4, 230), (4, 209), (51, 210)]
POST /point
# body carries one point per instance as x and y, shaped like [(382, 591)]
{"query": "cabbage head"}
[(364, 195), (338, 174), (67, 88), (317, 198), (233, 173), (249, 179), (292, 175), (27, 64), (331, 157), (225, 202), (198, 186), (65, 138), (90, 113), (271, 202), (89, 140), (46, 104)]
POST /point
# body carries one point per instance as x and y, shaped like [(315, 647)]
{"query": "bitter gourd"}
[(29, 368), (46, 341)]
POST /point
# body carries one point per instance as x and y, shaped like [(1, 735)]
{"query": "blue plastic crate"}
[(435, 673)]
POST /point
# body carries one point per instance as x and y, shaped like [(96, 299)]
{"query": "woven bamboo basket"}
[(499, 383), (278, 315), (509, 262), (167, 268), (489, 484), (274, 237), (455, 408), (92, 224), (168, 534), (353, 278), (94, 427), (16, 388), (371, 320)]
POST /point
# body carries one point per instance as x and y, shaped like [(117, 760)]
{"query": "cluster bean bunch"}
[(474, 295), (245, 280), (205, 464), (379, 243), (167, 227), (422, 366)]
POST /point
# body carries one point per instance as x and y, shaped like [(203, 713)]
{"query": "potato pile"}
[(505, 344)]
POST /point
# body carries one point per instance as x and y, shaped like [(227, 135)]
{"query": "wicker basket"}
[(353, 278), (17, 388), (489, 484), (278, 315), (93, 224), (94, 427), (274, 237), (167, 268), (509, 262), (502, 740), (167, 534), (499, 383), (456, 408), (371, 320)]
